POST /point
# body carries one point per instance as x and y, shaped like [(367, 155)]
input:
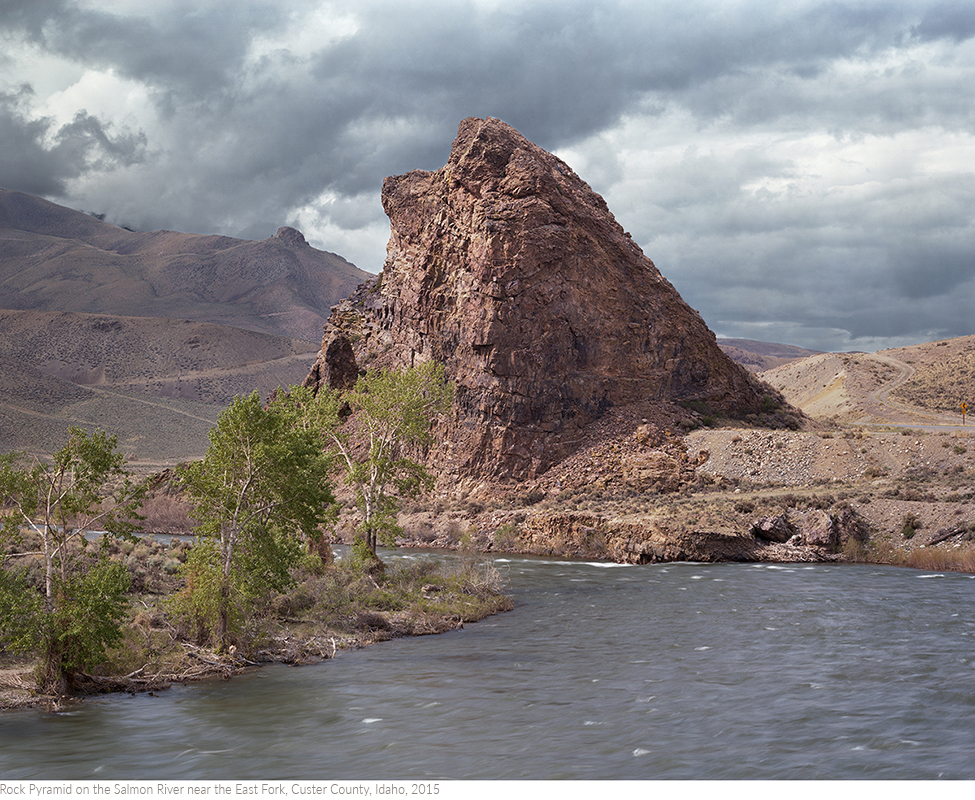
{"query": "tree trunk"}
[(52, 678), (319, 546), (222, 615)]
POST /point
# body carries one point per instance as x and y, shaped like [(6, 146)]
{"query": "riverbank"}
[(326, 611), (904, 498)]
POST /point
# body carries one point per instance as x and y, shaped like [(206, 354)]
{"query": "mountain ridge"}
[(55, 258), (758, 356)]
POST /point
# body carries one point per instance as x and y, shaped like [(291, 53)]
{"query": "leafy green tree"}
[(84, 487), (21, 612), (390, 415), (261, 489)]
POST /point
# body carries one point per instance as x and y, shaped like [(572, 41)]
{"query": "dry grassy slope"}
[(922, 384), (944, 374), (832, 385), (159, 384), (55, 258)]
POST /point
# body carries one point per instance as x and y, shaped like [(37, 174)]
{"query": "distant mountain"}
[(53, 258), (158, 384), (148, 335), (760, 356)]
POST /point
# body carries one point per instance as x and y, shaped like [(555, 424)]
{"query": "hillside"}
[(159, 384), (53, 258), (760, 356), (922, 384), (944, 375)]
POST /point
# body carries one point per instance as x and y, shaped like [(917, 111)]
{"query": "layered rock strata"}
[(511, 271)]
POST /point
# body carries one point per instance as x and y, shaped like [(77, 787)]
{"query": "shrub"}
[(529, 498), (506, 537), (166, 513)]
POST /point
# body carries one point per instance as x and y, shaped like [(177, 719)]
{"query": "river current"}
[(602, 671)]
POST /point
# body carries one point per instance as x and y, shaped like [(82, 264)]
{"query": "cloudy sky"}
[(802, 172)]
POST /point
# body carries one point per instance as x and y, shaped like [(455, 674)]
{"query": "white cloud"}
[(103, 94)]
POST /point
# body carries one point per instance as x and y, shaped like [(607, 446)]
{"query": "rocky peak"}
[(291, 236), (505, 266)]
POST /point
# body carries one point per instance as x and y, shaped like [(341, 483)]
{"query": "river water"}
[(602, 671)]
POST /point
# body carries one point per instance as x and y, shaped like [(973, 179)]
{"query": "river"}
[(602, 671)]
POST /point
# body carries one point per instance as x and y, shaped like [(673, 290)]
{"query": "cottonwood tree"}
[(261, 490), (376, 429), (83, 487)]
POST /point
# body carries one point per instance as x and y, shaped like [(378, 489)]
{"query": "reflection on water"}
[(601, 671)]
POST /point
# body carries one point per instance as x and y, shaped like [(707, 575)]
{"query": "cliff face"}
[(505, 266)]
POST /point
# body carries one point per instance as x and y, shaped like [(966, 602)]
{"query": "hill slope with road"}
[(919, 385)]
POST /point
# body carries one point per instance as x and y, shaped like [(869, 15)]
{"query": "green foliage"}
[(390, 417), (260, 490), (82, 488), (361, 558), (200, 604), (21, 613), (87, 619)]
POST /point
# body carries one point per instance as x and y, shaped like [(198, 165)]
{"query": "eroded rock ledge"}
[(812, 535)]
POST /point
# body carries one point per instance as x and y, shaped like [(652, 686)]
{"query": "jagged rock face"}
[(291, 236), (505, 266)]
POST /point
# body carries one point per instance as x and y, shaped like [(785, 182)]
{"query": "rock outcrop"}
[(812, 528), (507, 268)]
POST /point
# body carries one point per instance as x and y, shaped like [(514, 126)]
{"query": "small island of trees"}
[(259, 581)]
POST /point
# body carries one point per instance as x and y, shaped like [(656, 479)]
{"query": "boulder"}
[(774, 528), (819, 529), (654, 470)]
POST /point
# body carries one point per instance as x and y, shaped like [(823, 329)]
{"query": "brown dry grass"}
[(942, 385), (942, 560), (158, 384)]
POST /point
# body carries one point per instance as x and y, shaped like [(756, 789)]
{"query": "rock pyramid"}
[(510, 270)]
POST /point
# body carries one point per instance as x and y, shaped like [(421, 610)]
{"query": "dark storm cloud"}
[(955, 20), (556, 71), (34, 160), (30, 16), (242, 140)]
